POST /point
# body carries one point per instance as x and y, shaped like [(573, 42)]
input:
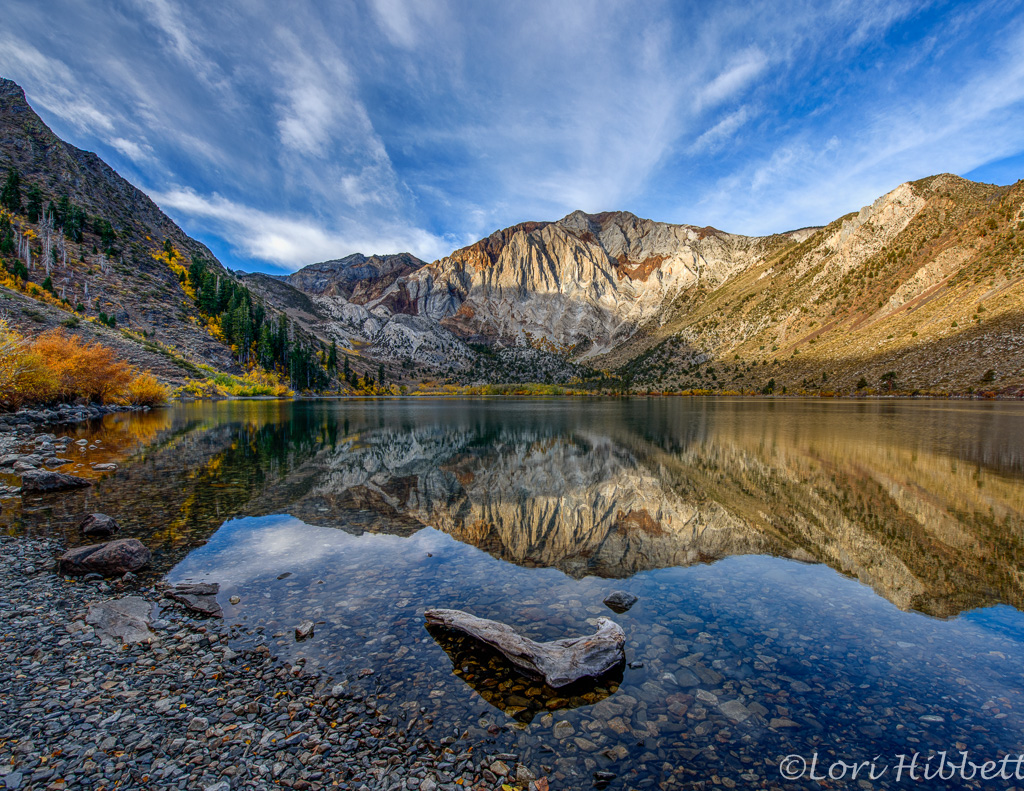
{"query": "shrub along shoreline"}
[(58, 367)]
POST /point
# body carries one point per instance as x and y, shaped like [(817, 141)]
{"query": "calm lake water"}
[(839, 578)]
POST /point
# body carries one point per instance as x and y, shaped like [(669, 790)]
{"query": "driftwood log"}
[(559, 662)]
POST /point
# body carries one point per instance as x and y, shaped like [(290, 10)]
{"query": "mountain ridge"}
[(919, 290)]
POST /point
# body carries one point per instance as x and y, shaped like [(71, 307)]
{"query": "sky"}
[(281, 134)]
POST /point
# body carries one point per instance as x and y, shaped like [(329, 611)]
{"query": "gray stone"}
[(686, 678), (304, 630), (43, 481), (200, 597), (121, 620), (98, 525), (735, 710), (112, 559), (559, 662), (620, 601)]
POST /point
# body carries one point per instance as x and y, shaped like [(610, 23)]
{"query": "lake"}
[(839, 578)]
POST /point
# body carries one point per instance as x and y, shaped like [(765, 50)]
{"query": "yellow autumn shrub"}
[(146, 390)]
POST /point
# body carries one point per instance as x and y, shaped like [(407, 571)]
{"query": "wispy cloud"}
[(718, 134), (402, 124), (736, 77), (291, 242)]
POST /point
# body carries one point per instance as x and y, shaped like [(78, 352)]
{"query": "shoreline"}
[(66, 414), (188, 711)]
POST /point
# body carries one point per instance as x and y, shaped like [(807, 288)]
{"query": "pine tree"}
[(34, 208), (8, 247), (332, 358), (208, 295), (10, 196)]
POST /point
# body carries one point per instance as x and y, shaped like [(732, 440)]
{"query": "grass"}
[(217, 384)]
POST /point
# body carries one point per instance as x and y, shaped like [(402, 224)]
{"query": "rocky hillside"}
[(580, 286), (114, 262), (920, 290), (349, 302), (84, 249)]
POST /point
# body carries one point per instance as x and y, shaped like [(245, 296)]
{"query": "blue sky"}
[(283, 133)]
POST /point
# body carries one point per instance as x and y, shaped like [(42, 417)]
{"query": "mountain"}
[(120, 277), (923, 288), (84, 249), (356, 278), (579, 286), (920, 290)]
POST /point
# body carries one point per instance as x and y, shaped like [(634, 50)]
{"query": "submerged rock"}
[(559, 662), (121, 620), (42, 481), (200, 597), (111, 559), (620, 601), (98, 525)]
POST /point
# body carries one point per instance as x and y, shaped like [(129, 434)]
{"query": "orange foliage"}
[(82, 369), (58, 366)]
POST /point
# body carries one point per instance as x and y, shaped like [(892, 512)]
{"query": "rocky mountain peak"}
[(9, 89), (356, 277)]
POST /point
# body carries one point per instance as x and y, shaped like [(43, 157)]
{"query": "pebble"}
[(96, 716)]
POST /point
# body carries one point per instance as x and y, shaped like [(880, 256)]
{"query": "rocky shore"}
[(185, 710), (28, 451)]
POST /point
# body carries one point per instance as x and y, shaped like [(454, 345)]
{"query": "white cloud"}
[(806, 181), (736, 77), (293, 242), (307, 120), (397, 19), (132, 150), (59, 89), (718, 134)]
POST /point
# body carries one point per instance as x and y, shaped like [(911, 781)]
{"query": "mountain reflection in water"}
[(729, 519), (921, 501)]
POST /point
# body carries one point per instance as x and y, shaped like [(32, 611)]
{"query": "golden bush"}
[(146, 390), (58, 366), (81, 369)]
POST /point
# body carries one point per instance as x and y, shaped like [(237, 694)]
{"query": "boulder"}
[(112, 559), (43, 481), (619, 601), (99, 525), (560, 662), (200, 597), (121, 620)]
